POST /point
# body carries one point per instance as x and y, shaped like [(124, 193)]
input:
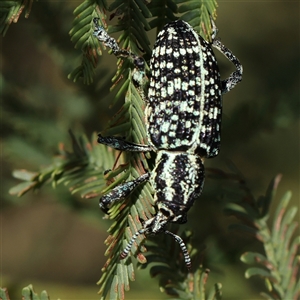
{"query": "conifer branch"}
[(10, 12), (82, 169), (28, 293), (279, 265)]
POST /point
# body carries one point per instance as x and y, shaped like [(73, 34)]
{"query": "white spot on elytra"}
[(170, 65)]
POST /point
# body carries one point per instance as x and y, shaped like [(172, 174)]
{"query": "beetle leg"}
[(120, 192), (236, 76), (139, 63), (121, 144)]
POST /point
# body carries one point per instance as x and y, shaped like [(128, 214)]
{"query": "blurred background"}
[(55, 240)]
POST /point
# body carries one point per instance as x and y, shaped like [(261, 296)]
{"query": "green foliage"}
[(163, 12), (81, 36), (10, 11), (168, 266), (4, 294), (198, 14), (82, 169), (28, 293), (198, 280), (279, 265)]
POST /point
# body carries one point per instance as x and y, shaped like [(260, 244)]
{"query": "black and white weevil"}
[(183, 121)]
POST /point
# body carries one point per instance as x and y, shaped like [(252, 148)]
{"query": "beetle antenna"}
[(182, 245), (130, 243)]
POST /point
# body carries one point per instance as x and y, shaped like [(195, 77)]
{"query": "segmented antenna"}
[(182, 245), (129, 245), (177, 238)]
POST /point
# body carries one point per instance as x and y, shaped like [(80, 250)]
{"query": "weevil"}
[(183, 121)]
